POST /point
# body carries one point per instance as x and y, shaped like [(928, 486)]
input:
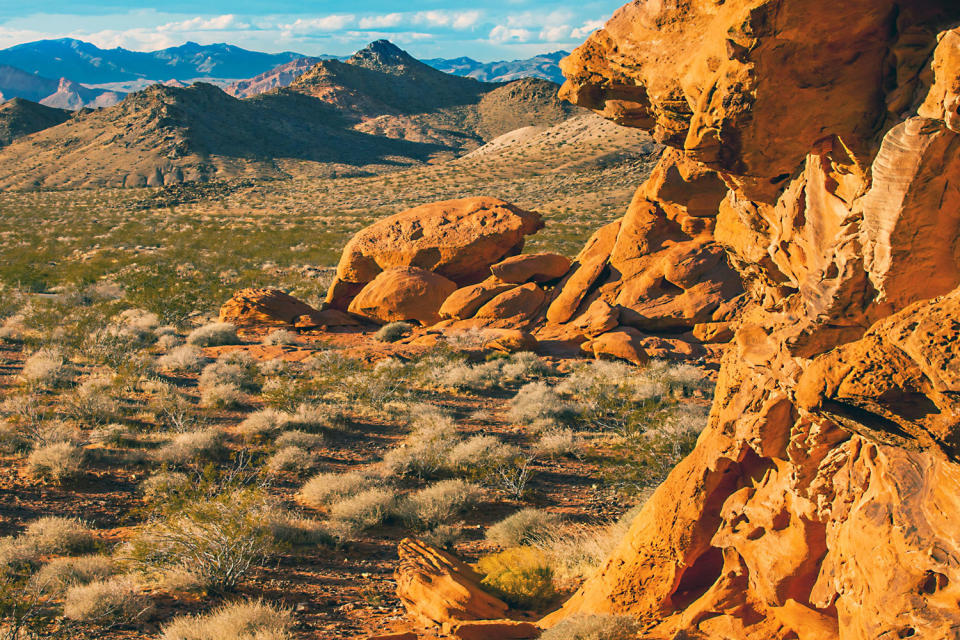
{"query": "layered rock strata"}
[(821, 501)]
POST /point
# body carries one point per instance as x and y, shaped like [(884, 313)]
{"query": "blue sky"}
[(486, 30)]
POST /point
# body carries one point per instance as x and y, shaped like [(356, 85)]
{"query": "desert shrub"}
[(525, 365), (439, 503), (183, 359), (192, 448), (234, 621), (536, 401), (594, 627), (393, 331), (221, 396), (521, 576), (46, 369), (163, 485), (292, 460), (218, 539), (280, 337), (59, 535), (58, 462), (114, 435), (351, 516), (557, 442), (60, 574), (213, 335), (576, 551), (301, 439), (460, 375), (443, 536), (92, 401), (169, 341), (326, 488), (225, 372), (424, 452), (262, 422), (523, 527), (312, 418), (481, 456), (114, 601), (297, 530)]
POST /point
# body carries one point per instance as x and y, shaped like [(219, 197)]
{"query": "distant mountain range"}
[(88, 64), (546, 66), (379, 110), (71, 74)]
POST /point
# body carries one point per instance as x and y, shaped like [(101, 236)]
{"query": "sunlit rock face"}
[(815, 144)]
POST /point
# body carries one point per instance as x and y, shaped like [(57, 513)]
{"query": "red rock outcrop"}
[(437, 589), (457, 239), (250, 307), (822, 500), (403, 293)]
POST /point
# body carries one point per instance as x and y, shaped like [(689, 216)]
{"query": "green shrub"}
[(521, 576), (393, 331)]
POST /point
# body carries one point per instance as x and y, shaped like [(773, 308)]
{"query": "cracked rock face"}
[(823, 501)]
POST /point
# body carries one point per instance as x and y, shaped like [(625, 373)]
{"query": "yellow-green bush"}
[(521, 576)]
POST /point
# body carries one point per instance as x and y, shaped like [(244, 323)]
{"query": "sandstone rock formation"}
[(458, 239), (403, 293), (437, 589), (821, 501), (532, 267), (250, 307)]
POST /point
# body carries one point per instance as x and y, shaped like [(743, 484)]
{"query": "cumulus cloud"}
[(587, 28), (559, 33), (325, 24), (228, 22), (502, 34), (379, 22)]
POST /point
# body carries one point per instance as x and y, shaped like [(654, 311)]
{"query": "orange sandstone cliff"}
[(818, 143)]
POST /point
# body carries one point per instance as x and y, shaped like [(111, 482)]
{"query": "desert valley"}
[(366, 347)]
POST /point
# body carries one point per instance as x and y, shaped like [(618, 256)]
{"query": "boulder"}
[(250, 307), (623, 343), (513, 307), (585, 270), (403, 294), (457, 239), (599, 318), (531, 267), (509, 340), (495, 630), (464, 303), (436, 588)]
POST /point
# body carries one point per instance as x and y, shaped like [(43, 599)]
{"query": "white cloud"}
[(454, 19), (325, 24), (218, 23), (139, 39), (559, 33), (534, 19), (379, 22), (586, 29), (502, 34)]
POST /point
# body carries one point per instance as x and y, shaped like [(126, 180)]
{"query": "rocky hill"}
[(168, 135), (19, 118), (380, 110), (276, 78), (63, 93)]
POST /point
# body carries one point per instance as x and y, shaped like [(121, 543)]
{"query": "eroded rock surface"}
[(821, 501)]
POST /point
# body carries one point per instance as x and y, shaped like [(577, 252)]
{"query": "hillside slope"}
[(19, 118), (168, 135)]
